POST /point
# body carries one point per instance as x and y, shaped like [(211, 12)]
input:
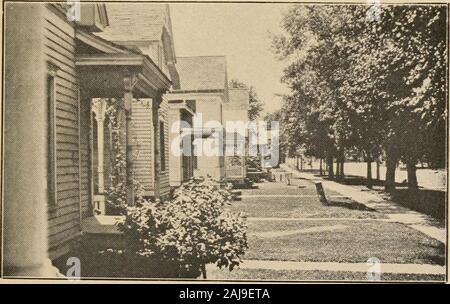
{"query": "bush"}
[(188, 232), (254, 162)]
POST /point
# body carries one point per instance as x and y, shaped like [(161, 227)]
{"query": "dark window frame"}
[(162, 146), (52, 190)]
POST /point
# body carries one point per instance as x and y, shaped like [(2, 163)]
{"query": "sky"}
[(239, 31)]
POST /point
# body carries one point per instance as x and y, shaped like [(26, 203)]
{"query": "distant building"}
[(181, 161), (235, 112), (204, 80)]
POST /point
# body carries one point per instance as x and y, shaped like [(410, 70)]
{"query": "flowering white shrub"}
[(189, 231)]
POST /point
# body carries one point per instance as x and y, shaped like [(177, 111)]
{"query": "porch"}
[(120, 111)]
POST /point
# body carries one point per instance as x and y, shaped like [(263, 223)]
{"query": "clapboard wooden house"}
[(204, 80), (49, 100), (151, 36)]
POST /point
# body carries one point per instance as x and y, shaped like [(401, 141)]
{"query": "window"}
[(51, 146), (162, 146)]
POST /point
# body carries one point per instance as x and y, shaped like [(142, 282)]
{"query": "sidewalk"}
[(292, 236), (334, 266), (393, 211)]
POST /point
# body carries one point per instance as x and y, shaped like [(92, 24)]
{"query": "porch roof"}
[(103, 74)]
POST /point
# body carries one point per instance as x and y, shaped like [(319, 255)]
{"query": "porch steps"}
[(101, 232)]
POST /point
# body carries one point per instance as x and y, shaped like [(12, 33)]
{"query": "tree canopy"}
[(372, 85)]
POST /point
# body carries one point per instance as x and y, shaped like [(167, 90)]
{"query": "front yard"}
[(303, 206), (314, 275), (341, 241), (288, 223)]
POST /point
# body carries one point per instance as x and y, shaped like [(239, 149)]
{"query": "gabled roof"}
[(137, 22), (202, 73)]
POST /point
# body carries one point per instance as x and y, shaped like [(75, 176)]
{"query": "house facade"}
[(97, 91), (235, 117), (150, 35), (56, 109), (204, 79), (181, 141)]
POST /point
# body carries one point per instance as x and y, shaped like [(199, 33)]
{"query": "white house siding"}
[(209, 105), (64, 218), (142, 135), (85, 152)]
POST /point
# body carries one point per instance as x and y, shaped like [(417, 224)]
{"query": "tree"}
[(255, 104), (374, 85), (412, 78)]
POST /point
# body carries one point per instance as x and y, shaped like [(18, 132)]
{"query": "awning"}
[(103, 75)]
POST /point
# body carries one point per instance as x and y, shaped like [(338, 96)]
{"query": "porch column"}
[(157, 163), (99, 110), (128, 100), (26, 145)]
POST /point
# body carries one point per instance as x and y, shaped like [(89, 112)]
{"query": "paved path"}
[(291, 234), (316, 219), (395, 213), (286, 195), (327, 266)]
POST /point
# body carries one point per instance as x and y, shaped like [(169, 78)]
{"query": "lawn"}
[(302, 275), (341, 241), (302, 207), (298, 187)]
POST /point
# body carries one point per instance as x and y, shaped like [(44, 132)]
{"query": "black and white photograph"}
[(224, 142)]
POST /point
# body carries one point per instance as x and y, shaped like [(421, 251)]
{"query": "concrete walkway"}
[(395, 213), (292, 235), (286, 195), (332, 266), (316, 219)]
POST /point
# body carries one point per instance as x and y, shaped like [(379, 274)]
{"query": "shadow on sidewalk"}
[(352, 205), (426, 201), (430, 202)]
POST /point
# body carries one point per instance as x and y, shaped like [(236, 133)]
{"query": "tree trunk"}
[(320, 168), (301, 163), (391, 165), (412, 176), (297, 162), (330, 167), (369, 173), (338, 168), (340, 165), (378, 169)]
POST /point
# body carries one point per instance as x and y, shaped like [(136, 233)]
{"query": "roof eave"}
[(151, 74)]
